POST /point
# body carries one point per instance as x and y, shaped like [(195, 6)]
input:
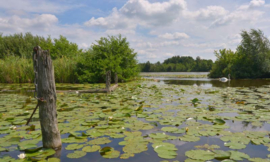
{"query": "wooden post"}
[(115, 78), (46, 94), (108, 81)]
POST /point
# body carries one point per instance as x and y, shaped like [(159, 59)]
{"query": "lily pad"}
[(76, 154)]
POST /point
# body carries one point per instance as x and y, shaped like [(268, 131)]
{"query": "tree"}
[(251, 59), (110, 53)]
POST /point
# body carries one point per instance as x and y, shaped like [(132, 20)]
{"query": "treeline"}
[(21, 45), (250, 60), (178, 64), (71, 64)]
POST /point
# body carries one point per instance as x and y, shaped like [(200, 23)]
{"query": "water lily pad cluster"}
[(138, 115)]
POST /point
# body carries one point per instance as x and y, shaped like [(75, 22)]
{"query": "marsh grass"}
[(16, 70), (20, 70), (65, 70)]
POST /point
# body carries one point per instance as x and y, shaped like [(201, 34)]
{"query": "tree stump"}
[(46, 94), (108, 81)]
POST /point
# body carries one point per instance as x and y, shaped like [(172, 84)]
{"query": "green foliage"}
[(20, 70), (178, 64), (111, 53), (22, 46), (251, 59), (16, 70)]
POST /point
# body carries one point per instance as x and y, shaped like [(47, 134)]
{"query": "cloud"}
[(120, 31), (253, 4), (169, 43), (158, 13), (257, 3), (176, 35), (34, 6), (208, 13), (140, 12), (114, 21), (238, 16), (17, 24)]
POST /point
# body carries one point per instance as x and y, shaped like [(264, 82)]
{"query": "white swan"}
[(224, 79)]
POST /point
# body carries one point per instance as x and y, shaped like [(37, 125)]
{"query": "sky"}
[(156, 29)]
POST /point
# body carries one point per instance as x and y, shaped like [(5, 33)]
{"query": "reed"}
[(20, 70)]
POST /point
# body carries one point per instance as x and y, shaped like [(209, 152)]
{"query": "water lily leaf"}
[(169, 129), (76, 154), (235, 145), (158, 135), (220, 154), (93, 148), (42, 153), (73, 140), (165, 150), (259, 160), (189, 138), (54, 159), (200, 154), (219, 121), (236, 155), (74, 147), (109, 153), (193, 160), (99, 141)]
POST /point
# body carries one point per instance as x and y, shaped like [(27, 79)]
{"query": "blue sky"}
[(156, 29)]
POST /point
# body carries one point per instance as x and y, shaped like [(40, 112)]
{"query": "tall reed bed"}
[(16, 70), (64, 70), (20, 70)]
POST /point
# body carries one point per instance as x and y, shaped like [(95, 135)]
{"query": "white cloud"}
[(120, 31), (253, 4), (114, 21), (158, 13), (169, 43), (257, 3), (238, 16), (140, 12), (17, 24), (36, 6), (208, 13), (156, 30), (176, 35)]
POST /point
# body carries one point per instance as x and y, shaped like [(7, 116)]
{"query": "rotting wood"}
[(46, 95)]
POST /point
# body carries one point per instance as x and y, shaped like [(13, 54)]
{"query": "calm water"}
[(150, 155), (207, 82), (175, 73)]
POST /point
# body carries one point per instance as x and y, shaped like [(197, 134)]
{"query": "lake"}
[(172, 119)]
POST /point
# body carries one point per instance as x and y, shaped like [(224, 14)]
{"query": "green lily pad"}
[(200, 154), (76, 154), (74, 147), (235, 145), (169, 129), (93, 148), (109, 153), (236, 155), (189, 138)]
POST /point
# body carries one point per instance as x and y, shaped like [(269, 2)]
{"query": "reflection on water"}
[(174, 73), (203, 82)]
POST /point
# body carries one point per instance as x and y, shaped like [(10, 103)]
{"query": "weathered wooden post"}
[(46, 95), (108, 81)]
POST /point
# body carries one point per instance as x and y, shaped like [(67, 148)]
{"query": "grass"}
[(19, 70)]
